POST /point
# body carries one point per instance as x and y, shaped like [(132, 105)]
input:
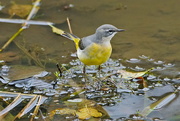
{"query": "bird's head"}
[(107, 30)]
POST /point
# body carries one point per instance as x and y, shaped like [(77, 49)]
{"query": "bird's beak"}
[(119, 30)]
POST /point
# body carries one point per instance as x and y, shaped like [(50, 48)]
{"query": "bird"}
[(94, 49)]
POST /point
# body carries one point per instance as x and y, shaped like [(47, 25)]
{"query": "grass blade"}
[(13, 104), (158, 104), (28, 107), (21, 21), (40, 101)]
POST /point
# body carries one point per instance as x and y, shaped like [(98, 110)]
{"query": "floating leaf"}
[(20, 10), (82, 108), (131, 75), (18, 72), (86, 113)]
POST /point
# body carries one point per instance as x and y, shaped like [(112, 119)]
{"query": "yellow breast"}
[(95, 54)]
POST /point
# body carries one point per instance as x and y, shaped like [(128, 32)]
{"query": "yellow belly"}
[(95, 54)]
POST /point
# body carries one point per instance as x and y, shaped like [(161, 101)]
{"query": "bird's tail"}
[(66, 35)]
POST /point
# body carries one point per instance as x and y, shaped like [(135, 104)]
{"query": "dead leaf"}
[(131, 75), (86, 113), (18, 72), (82, 108), (142, 81), (20, 10)]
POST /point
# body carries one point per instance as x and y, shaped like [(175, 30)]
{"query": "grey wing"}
[(85, 42)]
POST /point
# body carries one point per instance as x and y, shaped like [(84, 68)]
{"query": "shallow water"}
[(152, 29)]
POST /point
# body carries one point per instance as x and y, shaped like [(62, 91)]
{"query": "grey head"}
[(106, 31), (103, 33)]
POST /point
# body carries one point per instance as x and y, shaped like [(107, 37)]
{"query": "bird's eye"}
[(110, 32)]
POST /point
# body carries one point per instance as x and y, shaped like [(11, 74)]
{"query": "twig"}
[(59, 69), (69, 25), (38, 62), (30, 22), (11, 39)]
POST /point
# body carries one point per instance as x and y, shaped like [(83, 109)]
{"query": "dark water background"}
[(152, 27)]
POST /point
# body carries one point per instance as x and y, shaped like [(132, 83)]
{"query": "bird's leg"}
[(99, 69), (84, 73), (84, 69), (85, 77)]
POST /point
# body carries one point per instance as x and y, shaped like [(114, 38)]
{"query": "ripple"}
[(5, 69), (137, 68), (133, 60), (50, 94), (158, 69), (158, 62), (167, 79), (168, 65), (73, 54), (143, 57), (151, 77), (150, 59)]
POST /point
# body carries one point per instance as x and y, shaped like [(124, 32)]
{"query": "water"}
[(152, 27), (152, 30)]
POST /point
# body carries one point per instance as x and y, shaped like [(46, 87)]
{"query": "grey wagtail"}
[(94, 49)]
